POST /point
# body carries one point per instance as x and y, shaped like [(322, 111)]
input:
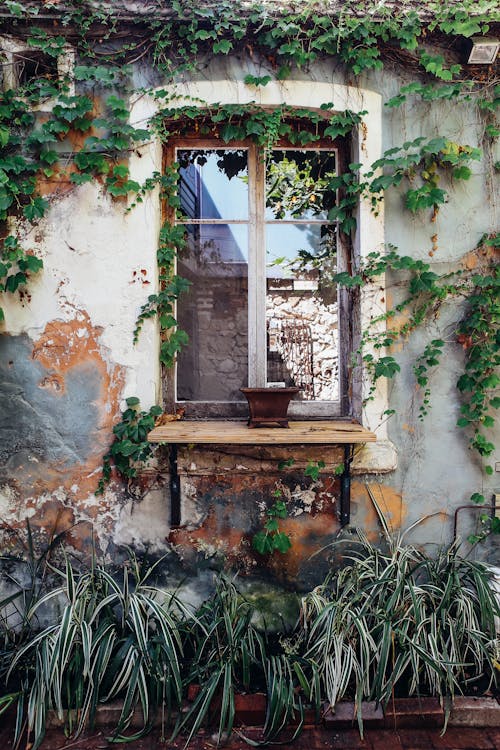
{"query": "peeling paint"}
[(63, 399), (230, 509)]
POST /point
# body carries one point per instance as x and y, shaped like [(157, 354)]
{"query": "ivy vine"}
[(42, 120)]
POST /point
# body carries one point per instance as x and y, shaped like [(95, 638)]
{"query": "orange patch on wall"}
[(309, 532), (365, 515), (214, 537), (482, 255), (63, 346), (58, 183), (55, 521), (309, 535), (51, 517)]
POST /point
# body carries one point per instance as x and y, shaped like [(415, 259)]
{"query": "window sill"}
[(224, 432)]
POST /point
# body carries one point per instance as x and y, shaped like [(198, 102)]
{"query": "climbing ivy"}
[(49, 132), (478, 332), (130, 446), (271, 538)]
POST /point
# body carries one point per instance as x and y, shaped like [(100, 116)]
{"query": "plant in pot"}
[(229, 657)]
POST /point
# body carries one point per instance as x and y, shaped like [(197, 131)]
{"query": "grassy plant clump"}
[(391, 622), (397, 622), (227, 654), (112, 639)]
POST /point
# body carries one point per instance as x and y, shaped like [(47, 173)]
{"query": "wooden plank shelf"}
[(238, 433)]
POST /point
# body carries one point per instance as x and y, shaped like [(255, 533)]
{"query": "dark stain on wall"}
[(230, 509)]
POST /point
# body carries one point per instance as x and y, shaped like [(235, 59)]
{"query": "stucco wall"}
[(68, 363)]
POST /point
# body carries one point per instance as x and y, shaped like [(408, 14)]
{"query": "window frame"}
[(257, 287)]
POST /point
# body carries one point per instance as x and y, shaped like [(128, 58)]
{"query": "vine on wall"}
[(49, 133)]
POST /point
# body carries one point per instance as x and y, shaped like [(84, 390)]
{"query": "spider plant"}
[(24, 578), (398, 619), (226, 652), (112, 640)]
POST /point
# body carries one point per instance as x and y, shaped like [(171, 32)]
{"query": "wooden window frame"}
[(257, 344)]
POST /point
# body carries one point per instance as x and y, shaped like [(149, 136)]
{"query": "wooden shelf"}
[(237, 433)]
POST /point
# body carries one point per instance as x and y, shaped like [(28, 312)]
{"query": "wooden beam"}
[(237, 433)]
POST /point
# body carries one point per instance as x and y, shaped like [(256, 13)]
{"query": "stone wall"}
[(68, 363)]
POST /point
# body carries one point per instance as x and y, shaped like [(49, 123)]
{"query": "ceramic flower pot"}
[(268, 406)]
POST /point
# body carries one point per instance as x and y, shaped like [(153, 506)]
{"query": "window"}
[(260, 252), (23, 65), (30, 65)]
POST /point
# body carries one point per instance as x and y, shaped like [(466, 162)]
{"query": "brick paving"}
[(314, 738)]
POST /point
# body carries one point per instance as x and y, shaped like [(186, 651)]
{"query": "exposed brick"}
[(414, 712), (344, 716), (415, 738), (348, 739), (250, 708), (386, 740), (463, 739), (494, 736), (475, 712)]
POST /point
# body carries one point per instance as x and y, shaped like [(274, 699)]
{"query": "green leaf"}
[(223, 46), (36, 209), (120, 170), (80, 179), (281, 542), (13, 282), (257, 80), (462, 173), (231, 132), (6, 199), (477, 498), (495, 525), (271, 524), (283, 72), (30, 263), (285, 463), (4, 135), (386, 367), (262, 543)]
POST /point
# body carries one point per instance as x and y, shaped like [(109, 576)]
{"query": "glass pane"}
[(213, 184), (297, 184), (302, 310), (214, 313)]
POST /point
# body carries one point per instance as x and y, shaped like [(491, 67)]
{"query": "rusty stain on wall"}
[(63, 401), (364, 514), (230, 508)]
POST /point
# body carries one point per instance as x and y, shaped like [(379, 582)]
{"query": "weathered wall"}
[(68, 361)]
